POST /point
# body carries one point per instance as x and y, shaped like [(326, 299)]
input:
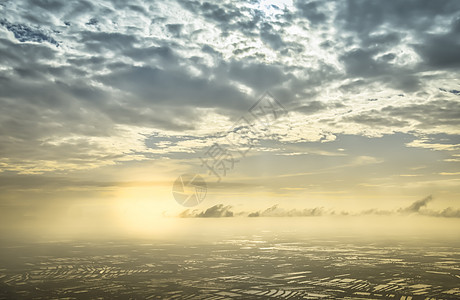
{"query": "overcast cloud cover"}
[(91, 84)]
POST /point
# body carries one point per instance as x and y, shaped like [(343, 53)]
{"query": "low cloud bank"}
[(216, 211), (418, 207)]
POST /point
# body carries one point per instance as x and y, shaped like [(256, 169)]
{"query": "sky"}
[(104, 104)]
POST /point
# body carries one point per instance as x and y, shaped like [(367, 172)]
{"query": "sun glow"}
[(139, 212)]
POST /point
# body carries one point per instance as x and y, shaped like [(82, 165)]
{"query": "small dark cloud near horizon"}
[(276, 211), (417, 205), (216, 211)]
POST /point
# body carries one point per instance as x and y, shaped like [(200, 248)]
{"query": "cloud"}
[(441, 50), (220, 14), (222, 211), (268, 35), (257, 75), (412, 15), (276, 211), (395, 57), (359, 62), (433, 113), (420, 208), (24, 33), (216, 211), (142, 67), (175, 29), (373, 118), (106, 41), (417, 205), (445, 213), (311, 11), (436, 116), (449, 144), (154, 86)]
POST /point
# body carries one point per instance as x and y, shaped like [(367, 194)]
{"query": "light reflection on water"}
[(260, 261)]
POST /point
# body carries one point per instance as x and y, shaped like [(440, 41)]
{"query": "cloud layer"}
[(84, 75)]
